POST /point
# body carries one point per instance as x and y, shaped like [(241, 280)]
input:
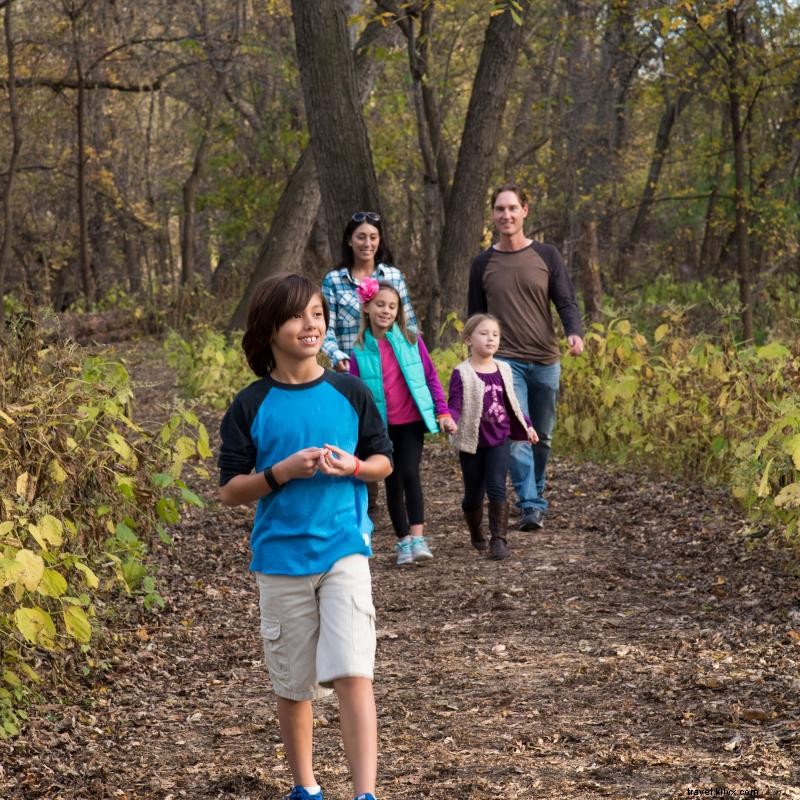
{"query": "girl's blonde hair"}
[(400, 320), (472, 323)]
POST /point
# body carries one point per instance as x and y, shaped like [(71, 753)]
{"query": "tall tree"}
[(16, 145), (299, 204), (338, 134), (466, 206)]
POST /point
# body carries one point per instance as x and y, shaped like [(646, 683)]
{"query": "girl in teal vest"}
[(397, 369)]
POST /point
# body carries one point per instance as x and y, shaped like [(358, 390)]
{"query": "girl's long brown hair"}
[(411, 338)]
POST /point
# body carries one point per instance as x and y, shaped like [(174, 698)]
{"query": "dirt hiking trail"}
[(640, 646)]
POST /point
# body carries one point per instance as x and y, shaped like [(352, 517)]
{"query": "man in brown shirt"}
[(517, 280)]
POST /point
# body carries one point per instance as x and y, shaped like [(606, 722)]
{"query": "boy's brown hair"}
[(274, 301)]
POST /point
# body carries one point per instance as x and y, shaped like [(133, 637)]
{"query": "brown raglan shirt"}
[(518, 287)]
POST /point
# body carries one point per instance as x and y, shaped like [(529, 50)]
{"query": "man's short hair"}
[(521, 194)]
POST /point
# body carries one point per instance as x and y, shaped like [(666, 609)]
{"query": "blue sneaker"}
[(365, 796), (299, 793)]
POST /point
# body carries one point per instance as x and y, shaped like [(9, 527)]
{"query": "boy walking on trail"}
[(302, 441)]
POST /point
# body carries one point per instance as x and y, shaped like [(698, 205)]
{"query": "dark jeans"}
[(484, 472), (403, 486)]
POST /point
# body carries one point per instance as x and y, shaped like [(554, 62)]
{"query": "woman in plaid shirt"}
[(364, 255)]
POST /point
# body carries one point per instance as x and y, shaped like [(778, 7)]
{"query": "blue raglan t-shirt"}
[(310, 523)]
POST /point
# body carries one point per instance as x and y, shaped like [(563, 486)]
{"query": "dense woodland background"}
[(153, 147)]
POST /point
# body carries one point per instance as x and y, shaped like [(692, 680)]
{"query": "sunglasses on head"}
[(370, 216)]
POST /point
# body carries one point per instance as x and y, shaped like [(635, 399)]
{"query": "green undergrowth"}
[(666, 400), (210, 367), (85, 493), (688, 407)]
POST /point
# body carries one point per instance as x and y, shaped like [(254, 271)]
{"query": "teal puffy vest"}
[(407, 355)]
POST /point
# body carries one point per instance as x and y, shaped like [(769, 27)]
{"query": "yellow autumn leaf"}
[(122, 448), (185, 447), (92, 581), (77, 624), (10, 570), (56, 471), (22, 484), (660, 332), (36, 625), (624, 327), (37, 534), (789, 496), (6, 528), (51, 529), (764, 487), (32, 568), (53, 584)]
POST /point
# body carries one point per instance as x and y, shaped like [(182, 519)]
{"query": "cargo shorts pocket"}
[(364, 625), (275, 650)]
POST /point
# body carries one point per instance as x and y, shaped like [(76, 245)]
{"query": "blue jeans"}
[(536, 387)]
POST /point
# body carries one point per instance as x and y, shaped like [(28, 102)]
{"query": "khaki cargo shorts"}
[(317, 628)]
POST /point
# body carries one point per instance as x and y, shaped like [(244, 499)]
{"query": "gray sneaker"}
[(404, 554), (420, 550), (532, 519)]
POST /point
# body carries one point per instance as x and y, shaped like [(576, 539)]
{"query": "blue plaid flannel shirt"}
[(339, 290)]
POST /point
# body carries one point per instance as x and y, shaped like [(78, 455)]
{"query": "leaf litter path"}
[(635, 648)]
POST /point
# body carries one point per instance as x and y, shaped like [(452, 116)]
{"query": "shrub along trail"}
[(638, 647)]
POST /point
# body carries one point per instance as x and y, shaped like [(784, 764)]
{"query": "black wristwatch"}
[(270, 478)]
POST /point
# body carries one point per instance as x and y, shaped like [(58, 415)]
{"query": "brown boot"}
[(476, 536), (498, 529)]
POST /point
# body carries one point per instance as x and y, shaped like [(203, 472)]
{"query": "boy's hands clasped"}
[(337, 462), (305, 463)]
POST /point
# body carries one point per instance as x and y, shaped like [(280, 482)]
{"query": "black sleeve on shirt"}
[(237, 452), (561, 290), (372, 436), (476, 294)]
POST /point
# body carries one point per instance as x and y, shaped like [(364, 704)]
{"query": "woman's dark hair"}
[(275, 300), (383, 254)]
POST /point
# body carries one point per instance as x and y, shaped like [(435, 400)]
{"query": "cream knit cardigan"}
[(466, 438)]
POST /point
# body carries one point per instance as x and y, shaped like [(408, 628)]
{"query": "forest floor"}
[(642, 645)]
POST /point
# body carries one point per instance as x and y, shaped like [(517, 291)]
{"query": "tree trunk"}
[(188, 221), (338, 134), (298, 207), (590, 277), (668, 120), (735, 83), (16, 145), (709, 247), (435, 171), (467, 199), (84, 259)]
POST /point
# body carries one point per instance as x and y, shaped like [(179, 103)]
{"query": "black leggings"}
[(403, 486), (484, 471)]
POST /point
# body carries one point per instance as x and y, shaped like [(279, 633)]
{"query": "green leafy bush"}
[(84, 492), (687, 406), (209, 368)]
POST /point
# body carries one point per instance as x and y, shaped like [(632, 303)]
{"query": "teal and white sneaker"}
[(404, 554), (365, 796), (420, 550), (299, 793)]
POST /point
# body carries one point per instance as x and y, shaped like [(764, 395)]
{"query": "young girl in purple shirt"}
[(483, 404)]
